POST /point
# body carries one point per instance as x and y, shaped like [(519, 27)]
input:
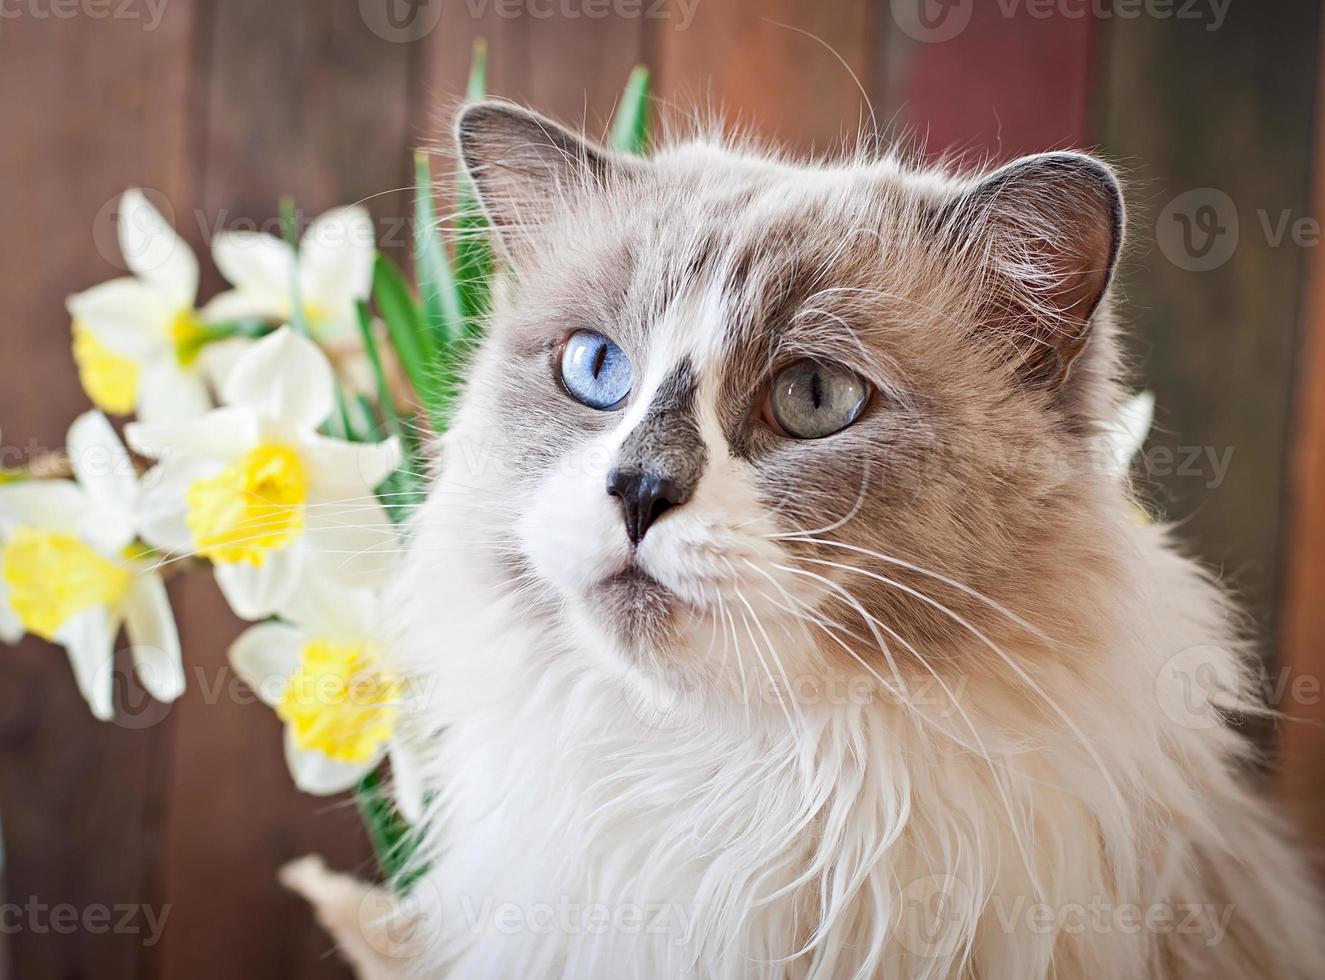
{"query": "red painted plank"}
[(976, 78), (1302, 613)]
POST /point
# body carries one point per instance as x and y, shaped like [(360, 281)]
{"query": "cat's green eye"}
[(812, 399)]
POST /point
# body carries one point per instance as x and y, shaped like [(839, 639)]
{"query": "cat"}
[(777, 616)]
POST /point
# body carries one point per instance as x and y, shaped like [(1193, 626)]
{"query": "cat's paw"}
[(378, 938)]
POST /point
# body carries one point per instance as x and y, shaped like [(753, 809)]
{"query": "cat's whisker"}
[(921, 570), (1016, 668), (788, 690), (980, 748)]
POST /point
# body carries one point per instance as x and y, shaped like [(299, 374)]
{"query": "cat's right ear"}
[(527, 169)]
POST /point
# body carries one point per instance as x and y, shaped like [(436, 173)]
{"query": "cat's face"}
[(745, 422)]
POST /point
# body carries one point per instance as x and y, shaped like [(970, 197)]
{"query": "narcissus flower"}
[(255, 488), (138, 340), (325, 675), (72, 573), (332, 272)]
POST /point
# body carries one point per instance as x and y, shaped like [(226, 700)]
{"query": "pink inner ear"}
[(1055, 221)]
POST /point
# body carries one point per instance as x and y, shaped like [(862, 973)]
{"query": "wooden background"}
[(223, 106)]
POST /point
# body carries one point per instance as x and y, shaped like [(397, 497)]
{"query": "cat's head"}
[(748, 419)]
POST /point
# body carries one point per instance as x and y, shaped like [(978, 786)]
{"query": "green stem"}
[(290, 229), (390, 416), (390, 836)]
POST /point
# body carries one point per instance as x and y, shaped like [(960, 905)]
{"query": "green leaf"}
[(341, 425), (414, 343), (473, 247), (478, 71), (403, 489), (393, 845), (442, 307), (385, 401), (449, 374), (630, 128)]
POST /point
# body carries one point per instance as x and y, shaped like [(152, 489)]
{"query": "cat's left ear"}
[(528, 169), (1051, 227)]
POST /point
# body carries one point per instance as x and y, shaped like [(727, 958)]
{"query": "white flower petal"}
[(108, 530), (406, 782), (285, 379), (348, 471), (125, 315), (150, 624), (325, 606), (258, 265), (234, 305), (155, 253), (266, 656), (357, 547), (89, 637), (163, 507), (101, 464), (54, 505), (171, 394), (336, 265), (218, 359), (319, 775), (257, 591), (335, 322), (223, 433)]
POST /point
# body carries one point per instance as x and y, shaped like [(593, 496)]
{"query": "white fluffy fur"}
[(869, 838), (1078, 819)]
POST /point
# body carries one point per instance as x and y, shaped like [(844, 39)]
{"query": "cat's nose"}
[(644, 497)]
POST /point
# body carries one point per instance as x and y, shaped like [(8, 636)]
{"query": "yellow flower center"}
[(189, 335), (338, 703), (110, 379), (253, 507), (54, 576)]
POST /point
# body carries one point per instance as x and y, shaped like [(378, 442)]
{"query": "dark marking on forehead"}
[(666, 442)]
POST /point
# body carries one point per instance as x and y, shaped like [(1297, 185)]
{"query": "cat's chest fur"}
[(576, 833)]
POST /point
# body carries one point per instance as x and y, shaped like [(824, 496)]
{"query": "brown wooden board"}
[(986, 80), (1224, 116), (795, 72), (90, 106), (570, 68)]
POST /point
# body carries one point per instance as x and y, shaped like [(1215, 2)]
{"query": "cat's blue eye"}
[(813, 399), (595, 371)]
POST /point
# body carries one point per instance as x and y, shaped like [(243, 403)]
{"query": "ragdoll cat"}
[(774, 615)]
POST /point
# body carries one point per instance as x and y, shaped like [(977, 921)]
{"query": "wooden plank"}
[(300, 98), (783, 70), (571, 68), (987, 80), (1302, 620), (90, 106), (1185, 108)]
